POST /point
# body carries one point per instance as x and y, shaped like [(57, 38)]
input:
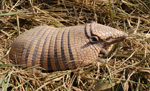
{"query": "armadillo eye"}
[(108, 39), (94, 39)]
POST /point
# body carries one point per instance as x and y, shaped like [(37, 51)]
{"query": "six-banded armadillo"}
[(63, 48)]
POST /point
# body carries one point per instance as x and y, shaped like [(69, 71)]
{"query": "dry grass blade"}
[(12, 13)]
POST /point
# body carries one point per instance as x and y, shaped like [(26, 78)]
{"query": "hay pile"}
[(127, 67)]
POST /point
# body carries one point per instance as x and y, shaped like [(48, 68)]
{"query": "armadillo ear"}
[(93, 39)]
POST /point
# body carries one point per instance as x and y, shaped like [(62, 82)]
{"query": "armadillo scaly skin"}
[(63, 48)]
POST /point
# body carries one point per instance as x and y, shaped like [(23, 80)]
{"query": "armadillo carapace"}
[(63, 48)]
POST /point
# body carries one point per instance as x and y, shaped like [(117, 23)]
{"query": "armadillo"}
[(63, 48)]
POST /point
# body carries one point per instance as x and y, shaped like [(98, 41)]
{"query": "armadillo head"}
[(104, 35)]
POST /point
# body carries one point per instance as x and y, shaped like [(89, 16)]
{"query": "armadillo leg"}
[(101, 60), (104, 51)]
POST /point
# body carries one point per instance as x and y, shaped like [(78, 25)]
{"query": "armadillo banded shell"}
[(54, 48)]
